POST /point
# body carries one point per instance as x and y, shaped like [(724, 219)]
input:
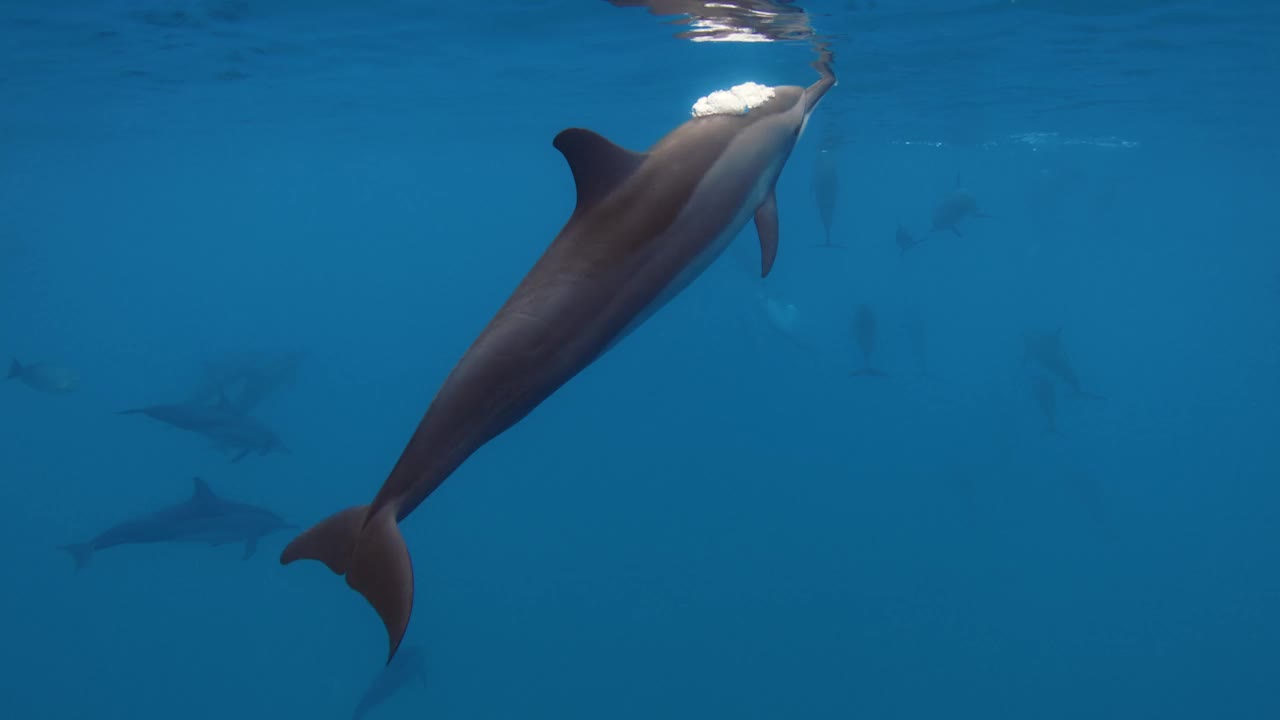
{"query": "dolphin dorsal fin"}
[(597, 164), (201, 493)]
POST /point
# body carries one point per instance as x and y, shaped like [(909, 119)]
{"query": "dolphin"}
[(826, 185), (1047, 350), (221, 423), (957, 206), (1047, 399), (905, 240), (46, 377), (645, 225), (864, 331), (245, 381), (410, 664), (204, 519)]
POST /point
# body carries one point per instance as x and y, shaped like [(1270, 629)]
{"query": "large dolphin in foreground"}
[(644, 226), (204, 518)]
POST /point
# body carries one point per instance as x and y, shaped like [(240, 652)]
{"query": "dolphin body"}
[(864, 332), (957, 206), (1048, 351), (204, 518), (410, 664), (46, 377), (826, 187), (644, 226), (228, 428)]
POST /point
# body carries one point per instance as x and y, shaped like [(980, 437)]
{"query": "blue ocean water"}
[(716, 519)]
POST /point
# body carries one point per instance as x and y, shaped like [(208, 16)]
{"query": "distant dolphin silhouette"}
[(645, 225), (1047, 350), (204, 519), (227, 427), (957, 206), (46, 377), (409, 664), (864, 332), (826, 187)]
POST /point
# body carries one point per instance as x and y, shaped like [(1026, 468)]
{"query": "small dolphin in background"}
[(246, 381), (1047, 398), (782, 318), (203, 519), (1047, 350), (645, 225), (826, 187), (864, 332), (905, 240), (957, 206), (228, 429), (46, 377), (409, 664)]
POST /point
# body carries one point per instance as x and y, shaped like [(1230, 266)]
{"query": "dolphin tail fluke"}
[(15, 369), (371, 552), (80, 552)]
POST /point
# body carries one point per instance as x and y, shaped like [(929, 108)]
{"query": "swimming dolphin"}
[(826, 185), (1047, 350), (864, 332), (46, 377), (204, 519), (229, 429), (1047, 398), (644, 226), (245, 382), (409, 664), (957, 206), (905, 240)]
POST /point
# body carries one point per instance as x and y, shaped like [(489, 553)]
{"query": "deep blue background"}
[(712, 521)]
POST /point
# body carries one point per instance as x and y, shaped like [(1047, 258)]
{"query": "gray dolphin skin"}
[(864, 332), (46, 377), (826, 186), (227, 427), (1048, 351), (644, 226), (409, 665), (203, 519)]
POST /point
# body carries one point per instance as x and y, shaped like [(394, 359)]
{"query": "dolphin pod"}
[(645, 225)]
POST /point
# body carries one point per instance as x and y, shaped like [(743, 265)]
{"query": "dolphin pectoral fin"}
[(250, 547), (371, 552), (598, 165), (767, 226), (80, 552), (956, 230), (241, 455)]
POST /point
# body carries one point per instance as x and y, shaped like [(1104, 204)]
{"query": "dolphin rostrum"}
[(644, 226), (204, 518)]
